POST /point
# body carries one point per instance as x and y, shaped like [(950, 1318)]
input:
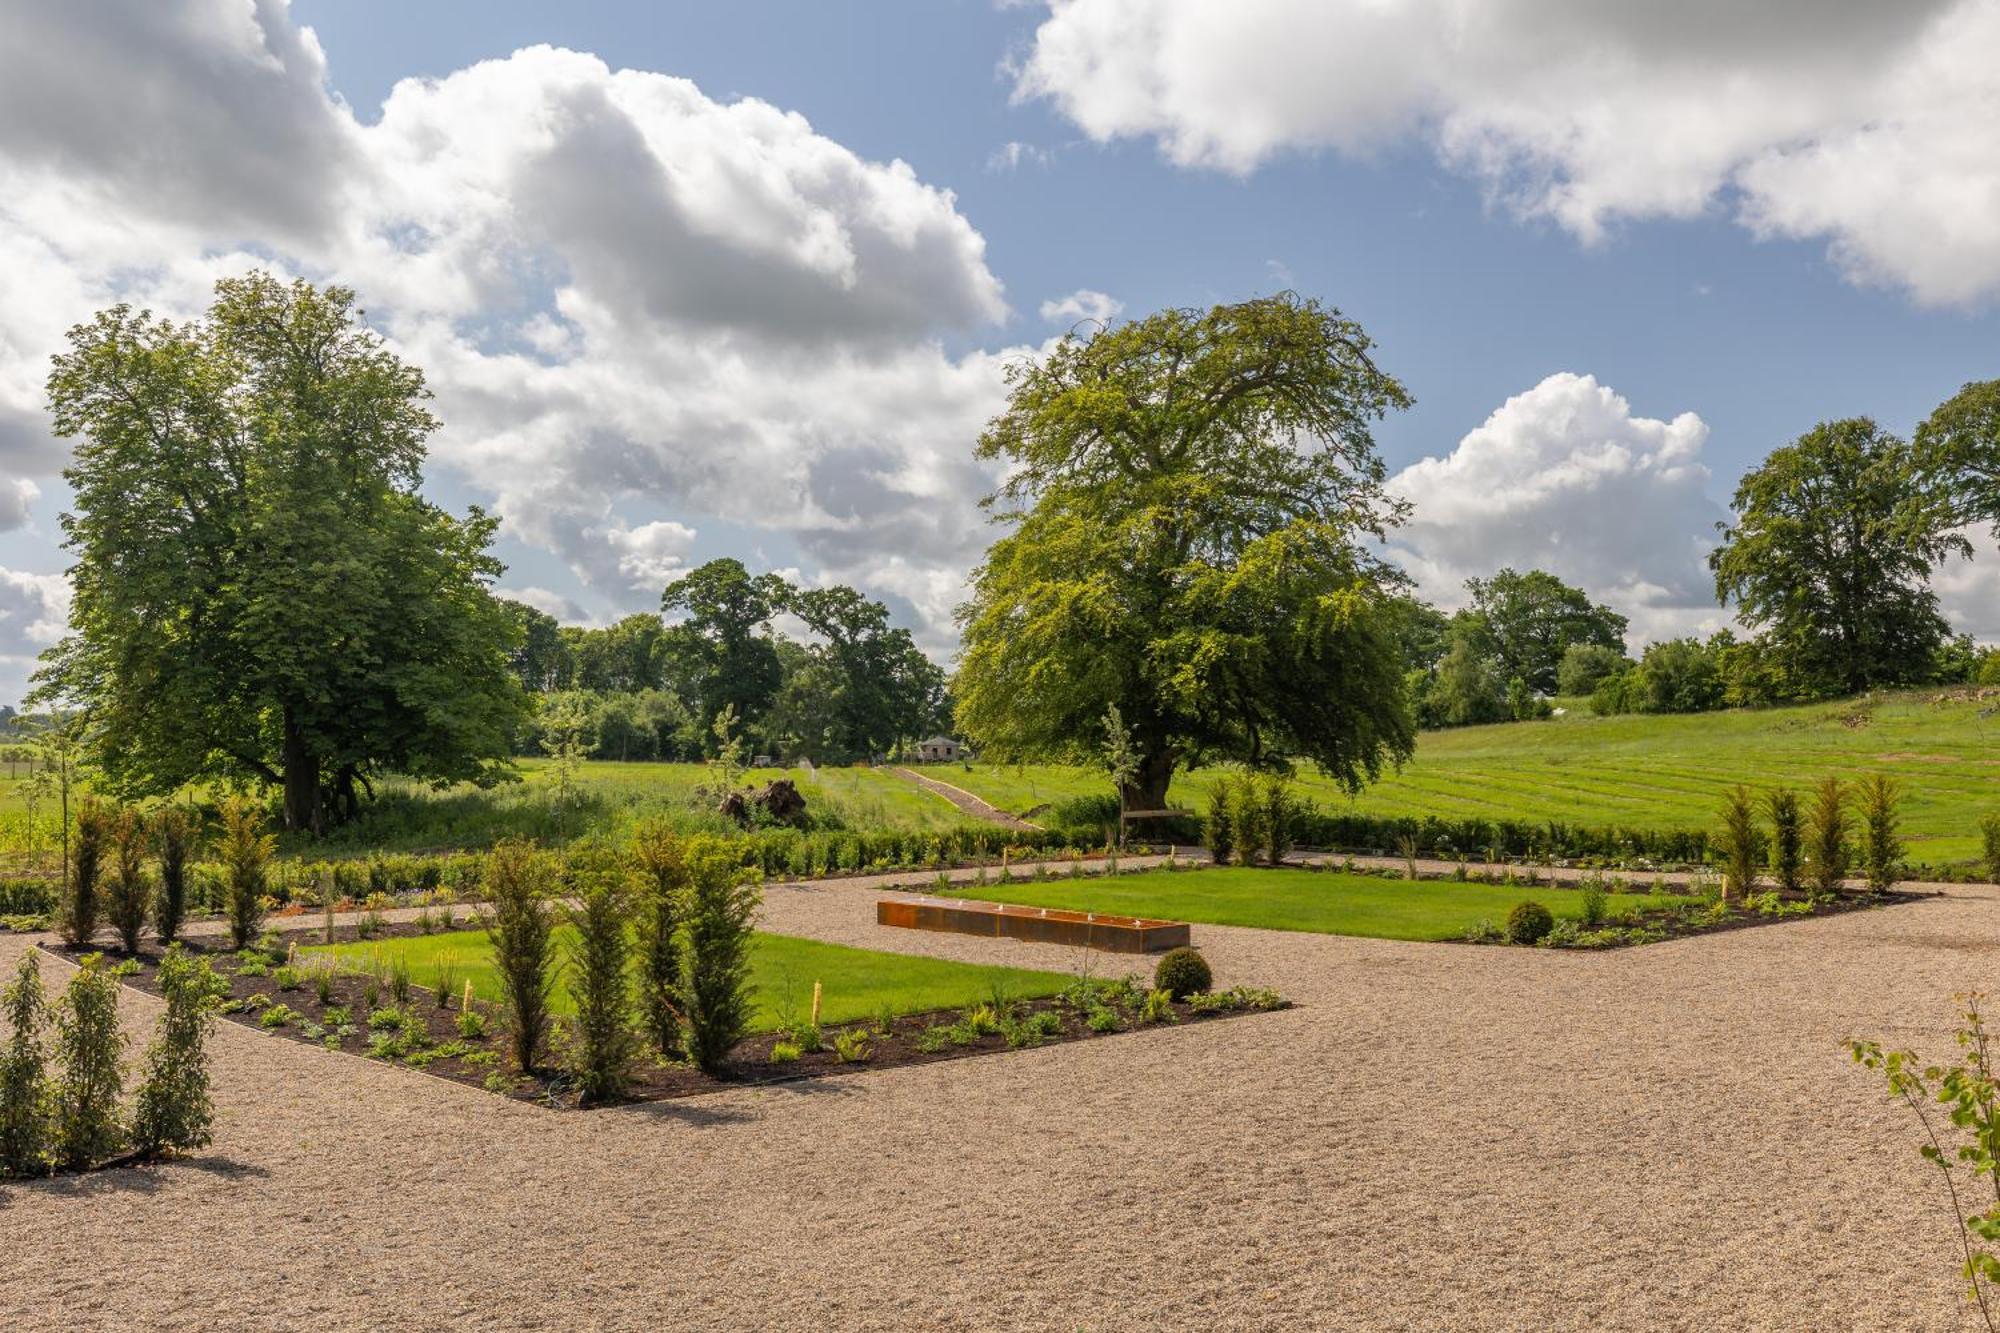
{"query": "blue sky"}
[(663, 329)]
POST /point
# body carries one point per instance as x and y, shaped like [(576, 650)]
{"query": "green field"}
[(855, 983), (1324, 903), (1641, 771)]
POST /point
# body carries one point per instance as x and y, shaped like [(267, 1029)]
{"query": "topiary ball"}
[(1182, 972), (1528, 922)]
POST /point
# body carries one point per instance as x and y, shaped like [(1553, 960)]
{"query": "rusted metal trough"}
[(1040, 925)]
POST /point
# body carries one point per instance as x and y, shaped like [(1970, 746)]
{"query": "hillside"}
[(1648, 772)]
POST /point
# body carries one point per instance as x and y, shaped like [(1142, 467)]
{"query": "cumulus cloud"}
[(628, 296), (1874, 127), (1080, 306), (1565, 478), (34, 613)]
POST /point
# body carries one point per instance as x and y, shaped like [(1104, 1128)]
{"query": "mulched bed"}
[(482, 1061)]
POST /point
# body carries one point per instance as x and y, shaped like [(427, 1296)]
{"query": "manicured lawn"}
[(1640, 772), (855, 983), (1326, 903)]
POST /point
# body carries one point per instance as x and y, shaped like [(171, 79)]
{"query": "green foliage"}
[(1881, 839), (82, 903), (1280, 816), (246, 852), (1465, 691), (1181, 972), (175, 831), (1592, 901), (715, 968), (472, 1024), (723, 639), (1989, 845), (1830, 556), (1740, 844), (603, 1043), (261, 593), (1781, 804), (1251, 819), (851, 1046), (1529, 922), (27, 1099), (128, 895), (661, 904), (1190, 497), (88, 1046), (520, 925), (1158, 1007), (1218, 829), (1583, 665), (1828, 825), (858, 688), (784, 1052), (1528, 622)]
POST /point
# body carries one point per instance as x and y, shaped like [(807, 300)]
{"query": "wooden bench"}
[(1039, 925)]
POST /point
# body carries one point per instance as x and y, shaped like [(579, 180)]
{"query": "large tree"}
[(1957, 453), (1835, 538), (722, 649), (878, 686), (260, 593), (1188, 496), (1528, 621)]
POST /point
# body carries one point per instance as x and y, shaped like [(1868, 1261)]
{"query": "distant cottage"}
[(940, 750)]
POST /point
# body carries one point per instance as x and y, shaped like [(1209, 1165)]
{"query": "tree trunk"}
[(1148, 788), (302, 807)]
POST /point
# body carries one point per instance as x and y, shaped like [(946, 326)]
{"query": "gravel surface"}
[(1439, 1137)]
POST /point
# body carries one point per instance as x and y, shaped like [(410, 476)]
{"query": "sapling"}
[(604, 1044), (246, 852), (174, 832), (1781, 804), (521, 926), (1827, 827), (88, 1046), (80, 906), (26, 1100), (174, 1112), (1739, 844), (715, 971), (125, 900), (1881, 842)]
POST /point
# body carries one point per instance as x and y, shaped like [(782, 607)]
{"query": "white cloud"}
[(548, 602), (1081, 306), (17, 496), (34, 612), (1565, 478), (1875, 127), (627, 295), (1014, 154)]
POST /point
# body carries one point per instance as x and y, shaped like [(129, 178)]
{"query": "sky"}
[(701, 280)]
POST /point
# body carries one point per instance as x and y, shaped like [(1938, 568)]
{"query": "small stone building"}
[(939, 750)]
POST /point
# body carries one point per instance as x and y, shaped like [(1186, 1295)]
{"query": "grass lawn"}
[(855, 983), (1324, 902), (1640, 771)]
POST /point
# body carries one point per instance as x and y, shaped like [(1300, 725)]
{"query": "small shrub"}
[(1739, 844), (1881, 843), (981, 1020), (1158, 1007), (661, 907), (81, 907), (127, 893), (246, 852), (715, 971), (850, 1046), (88, 1045), (444, 981), (604, 1047), (277, 1016), (783, 1052), (174, 832), (396, 976), (1781, 805), (1593, 901), (520, 928), (287, 978), (1827, 828), (1181, 972), (27, 1110), (1101, 1020), (1250, 818), (1280, 816), (1218, 830), (934, 1038), (472, 1024), (808, 1037), (1989, 839), (1529, 922)]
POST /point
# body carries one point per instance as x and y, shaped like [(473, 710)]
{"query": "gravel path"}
[(1440, 1137), (975, 806)]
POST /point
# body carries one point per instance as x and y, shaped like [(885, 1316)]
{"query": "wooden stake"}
[(815, 1019), (465, 1004)]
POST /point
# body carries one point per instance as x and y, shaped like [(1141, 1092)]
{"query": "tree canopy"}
[(1528, 621), (1186, 499), (259, 591)]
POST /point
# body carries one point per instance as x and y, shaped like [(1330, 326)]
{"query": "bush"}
[(174, 1112), (1881, 844), (1280, 812), (1218, 830), (1739, 844), (126, 902), (1592, 901), (1182, 972), (715, 971), (1787, 838), (1250, 818), (662, 900), (604, 1044), (1989, 838), (26, 1103), (88, 1046), (1827, 825), (520, 926), (174, 833), (80, 907), (246, 852), (1529, 922), (1583, 665)]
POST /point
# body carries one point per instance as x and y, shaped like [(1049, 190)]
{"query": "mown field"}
[(1641, 772)]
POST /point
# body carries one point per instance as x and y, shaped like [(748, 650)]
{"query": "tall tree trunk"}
[(302, 807), (1148, 788)]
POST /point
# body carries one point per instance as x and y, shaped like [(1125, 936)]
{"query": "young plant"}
[(604, 1045), (850, 1046), (246, 852), (81, 907), (1989, 839), (1280, 814), (715, 973), (88, 1046), (661, 906), (1739, 844), (1881, 841), (126, 895), (174, 1113), (1781, 804), (26, 1100), (1827, 827), (1592, 901), (174, 832), (444, 981), (520, 927), (1249, 817)]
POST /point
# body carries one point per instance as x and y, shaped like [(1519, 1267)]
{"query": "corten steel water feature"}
[(1040, 925)]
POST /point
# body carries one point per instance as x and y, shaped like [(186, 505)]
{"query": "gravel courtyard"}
[(1439, 1137)]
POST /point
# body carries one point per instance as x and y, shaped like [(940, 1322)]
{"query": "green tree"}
[(540, 657), (724, 639), (27, 1099), (716, 993), (173, 1111), (1583, 665), (1830, 557), (1530, 620), (604, 1045), (260, 591), (1957, 451), (881, 687), (1188, 497), (1465, 691)]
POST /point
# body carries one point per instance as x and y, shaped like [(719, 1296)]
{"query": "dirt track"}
[(1439, 1137)]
